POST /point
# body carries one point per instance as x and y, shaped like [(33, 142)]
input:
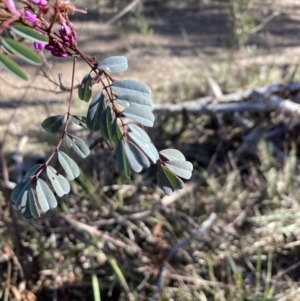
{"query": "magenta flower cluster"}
[(58, 48)]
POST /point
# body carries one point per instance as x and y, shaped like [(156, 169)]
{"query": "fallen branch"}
[(259, 100)]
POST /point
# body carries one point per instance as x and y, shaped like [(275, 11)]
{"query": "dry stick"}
[(161, 279), (124, 11), (92, 230), (232, 103)]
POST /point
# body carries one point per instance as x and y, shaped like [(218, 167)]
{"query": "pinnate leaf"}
[(139, 115), (168, 181), (60, 184), (69, 166), (85, 88), (131, 87), (12, 67), (21, 51), (77, 145), (45, 196), (96, 107), (114, 64), (53, 123)]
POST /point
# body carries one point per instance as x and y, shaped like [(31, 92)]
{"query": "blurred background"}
[(108, 240)]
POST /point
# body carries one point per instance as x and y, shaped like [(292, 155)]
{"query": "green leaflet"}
[(80, 120), (29, 33), (52, 124), (172, 154), (85, 88), (116, 133), (134, 163), (12, 67), (45, 196), (131, 87), (17, 193), (139, 155), (182, 169), (145, 145), (135, 101), (69, 166), (21, 51), (122, 162), (77, 145), (114, 64), (32, 171), (60, 184), (96, 108), (139, 115), (106, 124), (168, 181)]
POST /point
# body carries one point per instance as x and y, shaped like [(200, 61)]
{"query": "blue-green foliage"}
[(118, 114)]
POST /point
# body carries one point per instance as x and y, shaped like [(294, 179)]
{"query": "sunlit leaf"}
[(11, 66), (77, 145), (95, 109), (116, 133), (114, 64), (122, 162), (22, 51), (168, 181), (182, 169), (139, 155), (131, 87), (135, 101), (53, 123), (139, 115), (145, 145), (69, 166), (172, 154), (32, 171), (80, 120), (29, 33), (60, 184), (17, 193), (85, 88), (134, 164), (106, 124), (45, 196)]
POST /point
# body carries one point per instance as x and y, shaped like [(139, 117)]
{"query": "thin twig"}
[(124, 11), (201, 230)]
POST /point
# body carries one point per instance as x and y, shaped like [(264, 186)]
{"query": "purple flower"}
[(40, 2), (12, 8), (31, 17), (38, 46)]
